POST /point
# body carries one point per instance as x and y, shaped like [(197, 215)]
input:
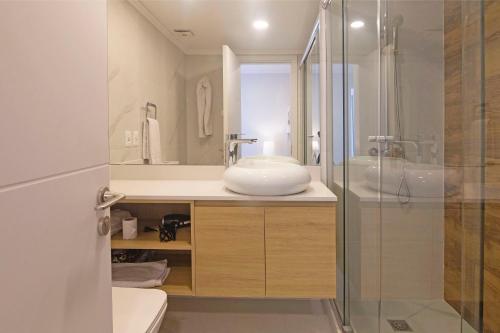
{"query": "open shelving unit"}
[(179, 281), (151, 241), (180, 253)]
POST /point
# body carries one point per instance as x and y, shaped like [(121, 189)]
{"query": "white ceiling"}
[(218, 22)]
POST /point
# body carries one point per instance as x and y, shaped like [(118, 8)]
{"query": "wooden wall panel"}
[(464, 271), (491, 301), (491, 291), (453, 255), (453, 153)]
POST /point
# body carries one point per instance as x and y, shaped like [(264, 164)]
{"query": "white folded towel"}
[(151, 141), (140, 275)]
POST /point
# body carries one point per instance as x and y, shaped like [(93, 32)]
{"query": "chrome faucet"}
[(390, 140), (232, 148)]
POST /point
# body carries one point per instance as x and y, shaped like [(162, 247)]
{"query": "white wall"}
[(422, 80), (406, 248), (265, 107), (365, 82), (421, 71)]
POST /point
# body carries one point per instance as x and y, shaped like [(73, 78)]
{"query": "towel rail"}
[(148, 105)]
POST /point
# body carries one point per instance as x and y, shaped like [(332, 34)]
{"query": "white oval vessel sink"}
[(424, 180), (266, 177)]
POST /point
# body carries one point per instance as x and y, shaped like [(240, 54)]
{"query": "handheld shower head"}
[(396, 22)]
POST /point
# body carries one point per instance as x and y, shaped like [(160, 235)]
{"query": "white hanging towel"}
[(151, 143), (204, 103)]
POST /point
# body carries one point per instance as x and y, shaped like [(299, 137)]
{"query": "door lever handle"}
[(106, 198)]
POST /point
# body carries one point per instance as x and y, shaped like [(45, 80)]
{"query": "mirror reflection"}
[(210, 82), (312, 103)]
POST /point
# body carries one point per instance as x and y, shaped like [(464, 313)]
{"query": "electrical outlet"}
[(128, 138), (135, 138)]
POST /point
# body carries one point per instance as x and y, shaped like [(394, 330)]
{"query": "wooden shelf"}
[(151, 241), (178, 281)]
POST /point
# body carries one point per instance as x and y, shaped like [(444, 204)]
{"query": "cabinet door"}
[(230, 257), (300, 252)]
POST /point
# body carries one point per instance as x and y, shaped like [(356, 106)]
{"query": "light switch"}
[(128, 138), (135, 138)]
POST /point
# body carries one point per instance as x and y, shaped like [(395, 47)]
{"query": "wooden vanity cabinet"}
[(242, 248), (230, 259), (265, 249), (300, 252)]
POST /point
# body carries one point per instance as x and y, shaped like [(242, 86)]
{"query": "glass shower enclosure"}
[(406, 152)]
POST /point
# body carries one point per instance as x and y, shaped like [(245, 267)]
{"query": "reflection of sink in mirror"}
[(270, 158), (424, 180), (170, 163), (265, 175), (358, 165)]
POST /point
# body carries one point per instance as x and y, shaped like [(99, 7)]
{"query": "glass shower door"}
[(409, 163), (361, 76), (336, 145), (425, 284)]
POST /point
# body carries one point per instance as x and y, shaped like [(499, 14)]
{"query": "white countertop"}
[(368, 195), (471, 193), (208, 190)]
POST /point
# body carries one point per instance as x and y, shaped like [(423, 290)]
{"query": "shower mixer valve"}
[(381, 138)]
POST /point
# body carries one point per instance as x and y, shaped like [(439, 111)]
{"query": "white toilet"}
[(138, 310)]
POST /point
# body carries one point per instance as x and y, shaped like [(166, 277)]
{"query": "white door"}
[(55, 268), (231, 91)]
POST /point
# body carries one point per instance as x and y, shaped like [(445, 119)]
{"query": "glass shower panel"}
[(411, 177), (336, 147), (412, 173), (413, 147), (361, 121)]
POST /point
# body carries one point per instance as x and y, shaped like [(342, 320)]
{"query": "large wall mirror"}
[(184, 76)]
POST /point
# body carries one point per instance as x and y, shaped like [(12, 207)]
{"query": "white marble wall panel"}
[(143, 66)]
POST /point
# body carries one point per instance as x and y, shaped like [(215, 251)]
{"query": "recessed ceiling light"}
[(260, 25), (357, 24)]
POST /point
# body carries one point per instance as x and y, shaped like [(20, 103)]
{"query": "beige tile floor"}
[(429, 316), (207, 315)]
